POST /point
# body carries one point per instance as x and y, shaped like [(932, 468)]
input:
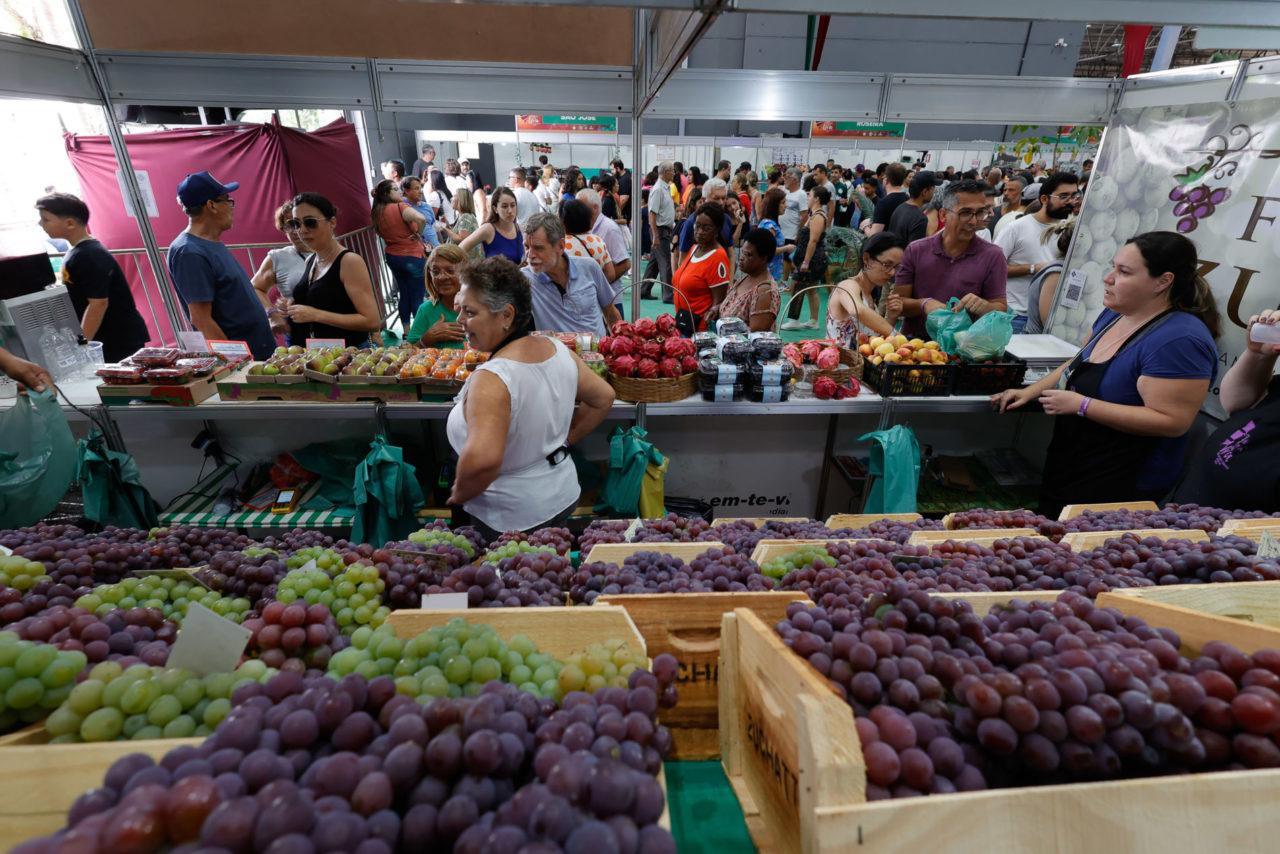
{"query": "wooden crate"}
[(1247, 613), (791, 753), (862, 520), (39, 781), (759, 521), (687, 625), (1250, 529), (237, 387), (1071, 511), (769, 549), (556, 631), (618, 552), (1080, 541), (981, 536)]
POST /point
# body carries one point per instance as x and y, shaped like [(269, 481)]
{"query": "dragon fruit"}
[(622, 329), (651, 350), (792, 354), (666, 324), (604, 345), (647, 369), (669, 368), (828, 359), (645, 328), (673, 347), (810, 350), (824, 388), (623, 366), (622, 346), (689, 364)]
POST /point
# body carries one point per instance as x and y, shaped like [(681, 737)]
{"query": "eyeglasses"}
[(970, 213), (443, 272), (225, 200), (309, 222), (1066, 197), (887, 266)]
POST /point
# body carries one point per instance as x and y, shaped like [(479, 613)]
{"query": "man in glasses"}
[(1026, 250), (217, 292), (955, 262)]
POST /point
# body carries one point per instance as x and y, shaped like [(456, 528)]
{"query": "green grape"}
[(103, 725), (63, 721), (407, 685), (21, 574), (63, 669), (34, 659), (571, 678), (520, 674), (801, 557), (486, 670), (190, 692), (165, 708), (216, 711), (54, 697), (24, 693), (432, 537), (132, 724), (147, 733), (512, 549), (252, 669), (86, 697), (182, 726), (139, 696), (458, 670), (544, 674), (105, 671)]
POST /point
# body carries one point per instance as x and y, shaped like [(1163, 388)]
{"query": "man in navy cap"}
[(218, 294)]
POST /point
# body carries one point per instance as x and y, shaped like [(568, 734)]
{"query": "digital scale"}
[(30, 301)]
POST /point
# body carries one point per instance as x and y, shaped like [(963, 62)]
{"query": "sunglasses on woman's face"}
[(309, 222)]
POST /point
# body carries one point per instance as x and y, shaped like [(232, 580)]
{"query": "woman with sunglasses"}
[(281, 270), (335, 297), (399, 226), (852, 307), (499, 235), (436, 323)]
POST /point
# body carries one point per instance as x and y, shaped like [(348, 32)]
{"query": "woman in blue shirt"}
[(1125, 402)]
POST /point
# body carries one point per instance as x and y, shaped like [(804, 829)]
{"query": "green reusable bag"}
[(629, 456), (943, 324), (986, 338), (112, 486), (387, 495), (894, 470), (37, 458)]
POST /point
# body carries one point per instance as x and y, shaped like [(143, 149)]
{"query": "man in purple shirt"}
[(955, 262)]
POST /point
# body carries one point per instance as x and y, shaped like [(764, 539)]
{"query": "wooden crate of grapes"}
[(978, 536), (688, 627), (1071, 511), (791, 751), (1080, 541), (1250, 529), (619, 552), (1248, 613), (862, 520), (767, 550)]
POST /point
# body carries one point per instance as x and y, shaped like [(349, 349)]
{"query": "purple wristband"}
[(1084, 406)]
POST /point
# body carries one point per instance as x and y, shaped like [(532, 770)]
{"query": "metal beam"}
[(215, 80), (30, 69), (980, 99), (503, 88), (1237, 38), (751, 95), (669, 38)]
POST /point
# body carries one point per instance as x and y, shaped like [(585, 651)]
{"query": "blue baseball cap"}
[(200, 187)]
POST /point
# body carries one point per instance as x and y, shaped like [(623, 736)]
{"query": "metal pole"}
[(638, 78), (177, 317), (1165, 47)]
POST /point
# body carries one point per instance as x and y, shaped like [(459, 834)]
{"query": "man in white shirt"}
[(526, 202), (1023, 242), (662, 221), (615, 240), (795, 212)]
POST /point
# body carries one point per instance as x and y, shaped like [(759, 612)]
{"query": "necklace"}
[(323, 264)]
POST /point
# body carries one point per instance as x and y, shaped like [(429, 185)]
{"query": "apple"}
[(866, 350), (903, 352)]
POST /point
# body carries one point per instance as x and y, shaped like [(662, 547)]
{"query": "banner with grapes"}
[(1209, 171)]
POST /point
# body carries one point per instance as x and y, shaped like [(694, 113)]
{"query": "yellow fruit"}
[(876, 360), (932, 345), (893, 358), (899, 340), (876, 342), (915, 343), (884, 349), (904, 352)]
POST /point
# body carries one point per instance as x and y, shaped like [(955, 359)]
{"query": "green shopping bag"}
[(112, 487), (37, 458), (943, 324), (629, 456), (387, 495), (335, 464), (986, 338), (894, 470)]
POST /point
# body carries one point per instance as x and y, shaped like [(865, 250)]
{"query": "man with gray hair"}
[(526, 202), (1012, 206), (662, 223), (615, 240), (569, 294), (714, 190)]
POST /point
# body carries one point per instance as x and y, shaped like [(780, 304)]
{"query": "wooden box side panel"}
[(556, 631), (862, 520), (1195, 627), (1071, 511), (618, 552), (981, 536), (1085, 540), (767, 550), (1250, 528), (1250, 601)]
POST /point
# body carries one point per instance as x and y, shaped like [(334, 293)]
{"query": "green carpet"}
[(705, 816)]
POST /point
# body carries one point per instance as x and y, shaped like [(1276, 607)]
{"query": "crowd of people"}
[(550, 250)]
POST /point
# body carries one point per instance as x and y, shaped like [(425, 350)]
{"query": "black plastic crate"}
[(990, 377), (897, 380)]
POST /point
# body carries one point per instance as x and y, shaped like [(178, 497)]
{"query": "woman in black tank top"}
[(335, 297)]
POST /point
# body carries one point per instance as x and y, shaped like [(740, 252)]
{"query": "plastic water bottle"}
[(60, 356)]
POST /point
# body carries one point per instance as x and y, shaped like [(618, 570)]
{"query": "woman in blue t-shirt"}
[(1126, 401)]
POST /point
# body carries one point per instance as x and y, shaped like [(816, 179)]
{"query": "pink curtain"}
[(272, 163)]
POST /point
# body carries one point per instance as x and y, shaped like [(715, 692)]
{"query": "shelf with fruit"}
[(898, 349), (648, 349)]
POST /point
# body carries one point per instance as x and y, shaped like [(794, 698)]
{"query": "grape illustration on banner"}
[(1195, 201)]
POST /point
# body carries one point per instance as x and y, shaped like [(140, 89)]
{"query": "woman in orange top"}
[(399, 226), (704, 273)]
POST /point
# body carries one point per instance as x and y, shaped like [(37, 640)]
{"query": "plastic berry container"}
[(735, 349), (712, 371), (731, 326), (768, 393), (704, 341), (765, 346), (201, 366), (120, 374), (156, 357), (774, 373), (168, 376), (722, 392)]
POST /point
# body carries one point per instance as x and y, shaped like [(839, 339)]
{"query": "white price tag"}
[(444, 602), (631, 530), (193, 342), (6, 551), (1268, 546), (1075, 289), (208, 643)]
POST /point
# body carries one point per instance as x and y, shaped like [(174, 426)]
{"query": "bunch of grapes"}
[(37, 678), (715, 570), (728, 532), (81, 564), (722, 571), (244, 575), (519, 584), (14, 605), (19, 573), (140, 702), (171, 596), (610, 665), (328, 560), (501, 550), (437, 536), (294, 637), (405, 577), (814, 556), (354, 595), (984, 518), (453, 660), (183, 546), (1220, 560), (467, 532), (310, 764), (1179, 516), (38, 534), (895, 530), (559, 539), (603, 531), (670, 529), (291, 541), (132, 636)]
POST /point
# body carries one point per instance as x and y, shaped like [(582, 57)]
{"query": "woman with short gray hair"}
[(517, 415)]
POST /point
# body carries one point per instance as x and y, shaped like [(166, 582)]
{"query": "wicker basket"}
[(850, 366), (662, 390)]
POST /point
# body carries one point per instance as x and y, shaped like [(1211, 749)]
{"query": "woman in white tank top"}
[(515, 417)]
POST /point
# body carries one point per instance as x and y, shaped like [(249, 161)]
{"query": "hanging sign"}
[(1208, 171), (858, 130), (567, 124)]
